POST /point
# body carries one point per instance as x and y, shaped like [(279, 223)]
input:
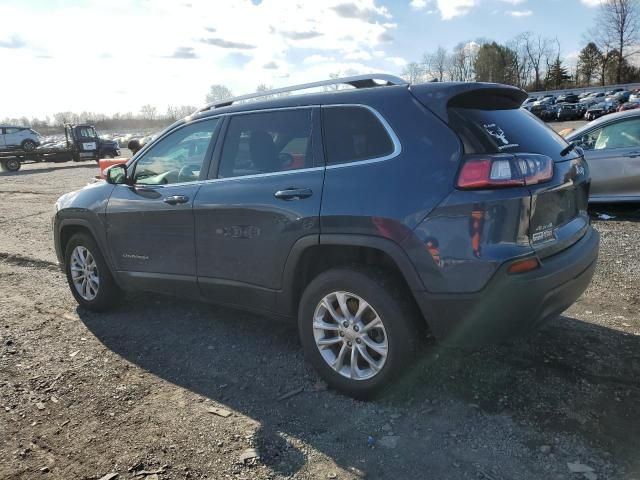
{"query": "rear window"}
[(354, 134), (504, 131)]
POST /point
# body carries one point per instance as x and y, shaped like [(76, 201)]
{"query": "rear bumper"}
[(513, 304)]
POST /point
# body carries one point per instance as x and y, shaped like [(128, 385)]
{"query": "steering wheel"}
[(186, 174)]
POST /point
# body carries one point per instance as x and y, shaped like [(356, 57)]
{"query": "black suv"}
[(370, 214)]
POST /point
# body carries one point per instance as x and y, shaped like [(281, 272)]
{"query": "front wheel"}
[(88, 275), (358, 329)]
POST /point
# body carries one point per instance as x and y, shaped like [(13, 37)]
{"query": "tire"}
[(105, 295), (29, 145), (385, 298), (11, 165)]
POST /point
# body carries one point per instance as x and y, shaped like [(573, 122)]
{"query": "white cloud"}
[(591, 3), (316, 58), (519, 13), (397, 61), (454, 8), (514, 2), (177, 50), (418, 4), (358, 55)]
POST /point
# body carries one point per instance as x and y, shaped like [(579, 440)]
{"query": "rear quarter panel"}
[(390, 198)]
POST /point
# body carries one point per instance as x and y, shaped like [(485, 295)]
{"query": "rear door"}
[(613, 154), (263, 196)]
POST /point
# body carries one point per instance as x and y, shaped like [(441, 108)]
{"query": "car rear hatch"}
[(490, 123)]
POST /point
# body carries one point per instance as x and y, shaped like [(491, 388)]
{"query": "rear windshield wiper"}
[(567, 149)]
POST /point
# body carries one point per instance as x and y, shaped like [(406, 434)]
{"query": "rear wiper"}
[(567, 149)]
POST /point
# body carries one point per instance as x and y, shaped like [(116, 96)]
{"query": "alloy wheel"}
[(84, 273), (350, 335)]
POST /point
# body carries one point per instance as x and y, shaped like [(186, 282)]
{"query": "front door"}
[(150, 223), (613, 155), (263, 196)]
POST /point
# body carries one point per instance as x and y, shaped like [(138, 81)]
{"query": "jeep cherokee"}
[(370, 214)]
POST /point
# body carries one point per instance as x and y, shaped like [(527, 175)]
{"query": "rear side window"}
[(352, 134), (504, 131), (267, 142)]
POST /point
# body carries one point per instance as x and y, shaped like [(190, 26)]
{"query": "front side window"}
[(352, 134), (623, 134), (12, 130), (178, 157), (267, 142)]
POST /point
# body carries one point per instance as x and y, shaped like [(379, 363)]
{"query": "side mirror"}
[(117, 174)]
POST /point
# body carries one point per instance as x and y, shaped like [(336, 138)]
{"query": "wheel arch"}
[(311, 256), (70, 227)]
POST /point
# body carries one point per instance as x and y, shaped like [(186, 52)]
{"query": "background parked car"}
[(567, 111), (611, 147), (529, 102), (600, 109), (631, 105), (18, 138), (568, 98)]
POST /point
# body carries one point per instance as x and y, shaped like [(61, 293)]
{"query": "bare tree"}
[(619, 24), (537, 48), (435, 64), (175, 112), (462, 60), (522, 65), (218, 93), (149, 112), (412, 72)]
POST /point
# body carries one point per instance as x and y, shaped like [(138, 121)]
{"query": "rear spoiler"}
[(438, 97)]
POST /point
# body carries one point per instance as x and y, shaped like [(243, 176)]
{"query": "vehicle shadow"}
[(573, 378), (55, 167)]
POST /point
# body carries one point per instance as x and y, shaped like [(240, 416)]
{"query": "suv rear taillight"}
[(502, 170)]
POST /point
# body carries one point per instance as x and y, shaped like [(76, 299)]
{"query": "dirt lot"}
[(83, 395)]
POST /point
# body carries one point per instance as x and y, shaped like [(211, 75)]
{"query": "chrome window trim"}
[(397, 146), (260, 175)]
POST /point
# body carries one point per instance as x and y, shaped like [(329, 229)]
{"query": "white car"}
[(14, 138)]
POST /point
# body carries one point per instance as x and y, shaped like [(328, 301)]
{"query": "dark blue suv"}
[(371, 214)]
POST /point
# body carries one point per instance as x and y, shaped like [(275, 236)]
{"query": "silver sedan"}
[(611, 147)]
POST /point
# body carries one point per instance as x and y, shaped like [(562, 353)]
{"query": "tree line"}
[(147, 118), (534, 62)]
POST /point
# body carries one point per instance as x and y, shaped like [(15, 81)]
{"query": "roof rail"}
[(357, 81)]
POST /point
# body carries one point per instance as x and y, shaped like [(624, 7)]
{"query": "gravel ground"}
[(132, 392)]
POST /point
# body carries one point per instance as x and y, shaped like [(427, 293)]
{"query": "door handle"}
[(293, 193), (176, 199)]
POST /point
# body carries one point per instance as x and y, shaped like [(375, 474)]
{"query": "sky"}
[(112, 56)]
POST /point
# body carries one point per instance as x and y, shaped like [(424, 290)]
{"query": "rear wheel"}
[(358, 329), (88, 275), (11, 165)]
